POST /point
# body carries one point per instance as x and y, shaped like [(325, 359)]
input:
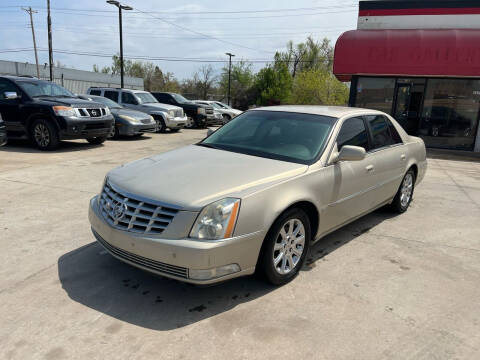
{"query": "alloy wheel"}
[(41, 135), (289, 246), (406, 190)]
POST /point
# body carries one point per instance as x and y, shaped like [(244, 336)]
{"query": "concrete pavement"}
[(384, 287)]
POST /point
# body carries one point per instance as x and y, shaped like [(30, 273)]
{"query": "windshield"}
[(105, 101), (277, 135), (145, 98), (44, 88), (180, 99), (216, 106)]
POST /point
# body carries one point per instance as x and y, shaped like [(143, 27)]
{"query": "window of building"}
[(375, 93), (450, 113), (380, 131), (353, 132)]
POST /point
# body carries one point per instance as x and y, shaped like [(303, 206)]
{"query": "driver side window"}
[(7, 86), (353, 132), (128, 98)]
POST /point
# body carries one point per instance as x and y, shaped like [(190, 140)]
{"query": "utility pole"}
[(50, 50), (30, 12), (229, 75), (120, 8)]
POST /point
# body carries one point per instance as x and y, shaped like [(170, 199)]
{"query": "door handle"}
[(403, 157), (370, 168)]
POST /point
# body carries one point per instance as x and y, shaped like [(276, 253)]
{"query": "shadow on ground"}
[(26, 146), (95, 279)]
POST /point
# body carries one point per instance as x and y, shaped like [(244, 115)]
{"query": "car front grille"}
[(129, 213), (99, 112), (209, 110), (97, 126), (142, 261)]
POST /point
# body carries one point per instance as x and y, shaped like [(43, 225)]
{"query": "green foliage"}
[(241, 84), (273, 84), (318, 87)]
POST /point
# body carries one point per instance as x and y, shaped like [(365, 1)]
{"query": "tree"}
[(204, 80), (318, 87), (242, 91), (273, 84)]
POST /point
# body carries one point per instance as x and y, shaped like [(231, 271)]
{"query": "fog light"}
[(214, 273), (75, 128)]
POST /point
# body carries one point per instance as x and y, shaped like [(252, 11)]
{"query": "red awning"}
[(449, 53)]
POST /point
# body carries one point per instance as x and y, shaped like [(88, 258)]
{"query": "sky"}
[(200, 30)]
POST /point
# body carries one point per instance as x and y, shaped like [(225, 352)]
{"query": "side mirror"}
[(350, 153), (210, 132), (10, 95)]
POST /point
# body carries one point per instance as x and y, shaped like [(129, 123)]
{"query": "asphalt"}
[(384, 287)]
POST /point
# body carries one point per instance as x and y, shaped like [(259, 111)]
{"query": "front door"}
[(10, 108), (351, 182), (408, 97)]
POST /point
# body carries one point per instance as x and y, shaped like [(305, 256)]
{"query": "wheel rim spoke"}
[(289, 246)]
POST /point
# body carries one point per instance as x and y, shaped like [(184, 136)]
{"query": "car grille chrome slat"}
[(129, 214), (142, 261)]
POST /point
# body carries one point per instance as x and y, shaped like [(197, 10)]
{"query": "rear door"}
[(389, 154), (351, 181), (111, 94)]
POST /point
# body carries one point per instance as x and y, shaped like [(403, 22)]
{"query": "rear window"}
[(380, 131), (95, 92), (112, 95)]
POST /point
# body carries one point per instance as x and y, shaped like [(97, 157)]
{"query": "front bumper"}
[(176, 123), (177, 259), (136, 129), (86, 128)]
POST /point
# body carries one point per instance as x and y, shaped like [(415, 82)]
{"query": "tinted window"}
[(161, 98), (112, 95), (277, 135), (375, 93), (7, 86), (128, 98), (353, 132), (395, 135), (95, 92), (43, 88), (380, 132)]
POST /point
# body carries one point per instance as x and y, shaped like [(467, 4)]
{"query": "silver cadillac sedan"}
[(254, 195)]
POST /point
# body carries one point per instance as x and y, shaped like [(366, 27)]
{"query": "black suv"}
[(198, 115), (47, 113)]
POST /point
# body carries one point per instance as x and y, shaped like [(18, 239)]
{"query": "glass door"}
[(409, 95)]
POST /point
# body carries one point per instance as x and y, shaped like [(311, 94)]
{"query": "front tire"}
[(226, 118), (45, 135), (161, 126), (97, 140), (285, 247), (404, 195)]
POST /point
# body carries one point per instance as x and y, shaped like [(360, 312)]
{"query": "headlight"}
[(171, 113), (107, 111), (129, 119), (152, 119), (201, 111), (63, 111), (217, 220)]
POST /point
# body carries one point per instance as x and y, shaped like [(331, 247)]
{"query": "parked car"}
[(127, 122), (198, 115), (227, 112), (48, 113), (167, 116), (3, 132), (290, 175)]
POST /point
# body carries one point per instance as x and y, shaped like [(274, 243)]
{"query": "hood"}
[(193, 176), (132, 113), (157, 107), (74, 102)]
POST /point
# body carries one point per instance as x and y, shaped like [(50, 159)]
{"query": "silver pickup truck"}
[(167, 116)]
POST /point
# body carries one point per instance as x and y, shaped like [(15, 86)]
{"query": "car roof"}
[(333, 111), (12, 77)]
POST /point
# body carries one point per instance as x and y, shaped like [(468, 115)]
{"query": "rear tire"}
[(285, 247), (45, 135), (404, 195), (97, 140)]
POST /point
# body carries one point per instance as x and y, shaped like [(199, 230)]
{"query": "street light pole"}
[(120, 8), (229, 76)]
